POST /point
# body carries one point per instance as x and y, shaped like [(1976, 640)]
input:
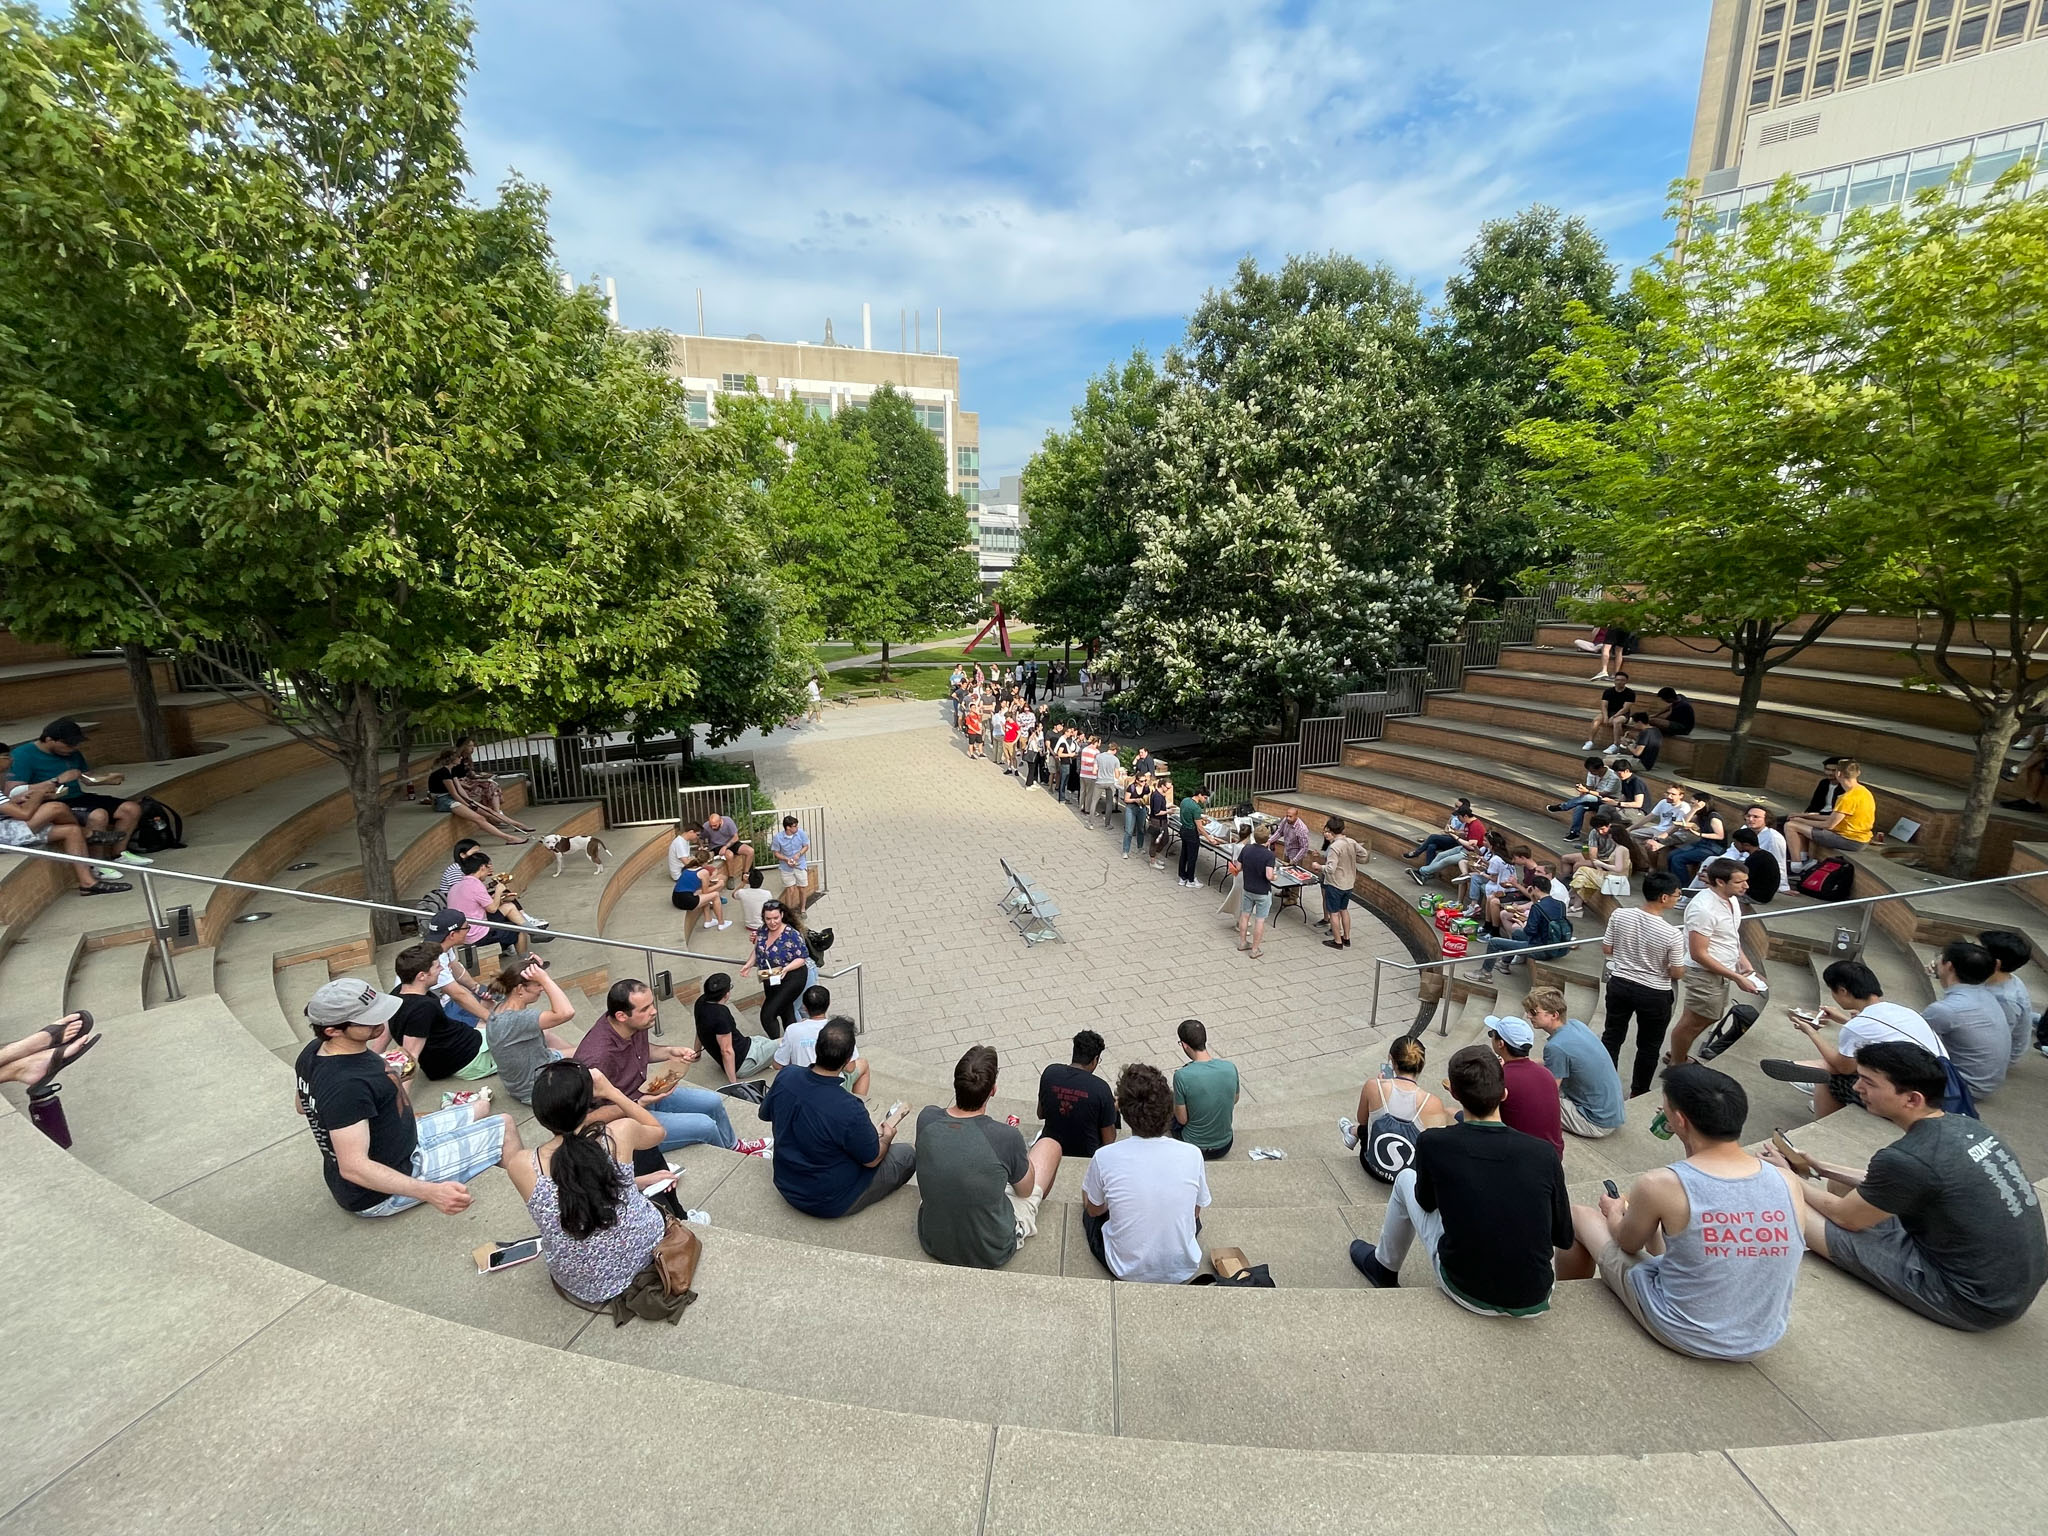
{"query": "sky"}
[(1063, 180)]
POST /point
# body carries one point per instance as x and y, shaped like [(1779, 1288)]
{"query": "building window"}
[(2012, 21), (1866, 25), (971, 494), (1824, 75), (1802, 12), (736, 383), (696, 408), (1767, 56), (1797, 49), (1837, 7), (1932, 41), (1895, 54), (819, 406), (1831, 37), (932, 418), (1903, 14), (1759, 90), (1859, 65), (1774, 21), (1970, 34), (1795, 82), (967, 461), (1937, 10)]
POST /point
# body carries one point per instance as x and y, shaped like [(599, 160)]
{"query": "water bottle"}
[(411, 791), (46, 1114)]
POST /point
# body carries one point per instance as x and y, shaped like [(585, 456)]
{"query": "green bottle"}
[(1660, 1127)]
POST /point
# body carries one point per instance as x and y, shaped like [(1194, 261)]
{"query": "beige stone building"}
[(1866, 101), (830, 377)]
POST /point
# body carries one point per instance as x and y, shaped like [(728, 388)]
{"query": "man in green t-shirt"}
[(1204, 1095), (1191, 809)]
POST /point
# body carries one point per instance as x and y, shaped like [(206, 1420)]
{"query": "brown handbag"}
[(675, 1258)]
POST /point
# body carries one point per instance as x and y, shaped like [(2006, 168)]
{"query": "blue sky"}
[(1064, 180)]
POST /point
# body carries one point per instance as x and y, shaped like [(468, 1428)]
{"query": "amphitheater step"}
[(1839, 649)]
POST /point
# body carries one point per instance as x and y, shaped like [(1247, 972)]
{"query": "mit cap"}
[(1512, 1029), (350, 1002), (66, 730)]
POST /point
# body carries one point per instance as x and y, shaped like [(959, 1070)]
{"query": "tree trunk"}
[(885, 661), (1290, 717), (1994, 740), (149, 710), (366, 790), (1750, 695)]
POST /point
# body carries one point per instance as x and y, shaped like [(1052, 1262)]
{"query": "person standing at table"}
[(1108, 774), (1191, 809), (1342, 855), (1294, 837), (1254, 864)]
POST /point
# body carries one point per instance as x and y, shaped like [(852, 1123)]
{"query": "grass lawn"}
[(918, 682), (836, 650)]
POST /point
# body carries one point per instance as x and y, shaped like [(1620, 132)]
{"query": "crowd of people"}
[(49, 798)]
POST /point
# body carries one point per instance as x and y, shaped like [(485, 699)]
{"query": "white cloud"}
[(1049, 174)]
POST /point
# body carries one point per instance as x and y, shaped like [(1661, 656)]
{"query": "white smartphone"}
[(659, 1186), (509, 1254)]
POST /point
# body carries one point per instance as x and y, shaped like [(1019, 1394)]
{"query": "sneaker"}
[(102, 872), (1367, 1262), (2043, 1049), (1602, 677), (697, 1218), (1585, 746), (753, 1146), (726, 924), (1416, 876), (135, 859), (538, 922), (1348, 1129), (1553, 808), (1127, 854), (1333, 943)]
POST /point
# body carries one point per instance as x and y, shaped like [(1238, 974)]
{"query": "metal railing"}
[(1321, 743), (1405, 690), (1228, 786), (1276, 769), (1445, 664), (1518, 620), (1365, 715), (1482, 641), (219, 666), (1867, 903), (161, 930)]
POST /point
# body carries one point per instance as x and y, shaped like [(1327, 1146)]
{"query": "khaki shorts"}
[(1025, 1209), (1706, 994), (1573, 1119), (1614, 1268)]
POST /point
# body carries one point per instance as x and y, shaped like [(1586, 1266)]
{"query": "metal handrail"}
[(162, 932), (1451, 962)]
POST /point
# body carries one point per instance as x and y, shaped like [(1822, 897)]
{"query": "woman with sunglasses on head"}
[(783, 959)]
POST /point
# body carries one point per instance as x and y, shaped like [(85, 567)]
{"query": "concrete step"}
[(1699, 754), (109, 982), (72, 685), (1883, 656)]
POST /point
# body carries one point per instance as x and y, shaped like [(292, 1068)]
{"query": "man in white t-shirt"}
[(1865, 1019), (1715, 963), (798, 1046), (681, 849), (752, 897), (1141, 1203), (1768, 837)]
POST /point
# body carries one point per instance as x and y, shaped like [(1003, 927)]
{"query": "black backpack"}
[(158, 828), (1830, 880), (1733, 1025)]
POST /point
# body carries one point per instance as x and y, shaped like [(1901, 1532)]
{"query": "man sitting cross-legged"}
[(1590, 1100), (798, 1046), (830, 1160), (1704, 1253), (1488, 1202), (619, 1047), (1865, 1018), (1141, 1203), (1847, 828), (978, 1188), (379, 1160), (1943, 1220)]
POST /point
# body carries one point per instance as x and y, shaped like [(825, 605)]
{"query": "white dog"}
[(590, 847)]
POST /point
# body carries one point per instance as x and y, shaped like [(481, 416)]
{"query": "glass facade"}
[(967, 461), (1883, 40), (1891, 179), (696, 408), (932, 418)]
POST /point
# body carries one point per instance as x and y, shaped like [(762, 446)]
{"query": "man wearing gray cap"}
[(378, 1159)]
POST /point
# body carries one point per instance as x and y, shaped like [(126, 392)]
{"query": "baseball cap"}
[(350, 1002), (443, 923), (1513, 1029), (66, 730)]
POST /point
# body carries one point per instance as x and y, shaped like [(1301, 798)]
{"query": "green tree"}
[(101, 403), (1681, 485), (1931, 410), (936, 581), (1503, 312), (1081, 538)]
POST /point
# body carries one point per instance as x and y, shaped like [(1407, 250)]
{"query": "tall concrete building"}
[(830, 376), (1866, 101)]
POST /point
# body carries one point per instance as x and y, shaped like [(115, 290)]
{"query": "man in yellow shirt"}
[(1845, 829)]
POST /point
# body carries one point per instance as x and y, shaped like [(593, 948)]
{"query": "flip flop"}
[(59, 1060), (53, 1032)]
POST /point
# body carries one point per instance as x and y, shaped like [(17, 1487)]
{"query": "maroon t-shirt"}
[(1531, 1105), (625, 1061)]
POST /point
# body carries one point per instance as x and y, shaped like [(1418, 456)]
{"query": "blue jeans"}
[(1685, 862), (1431, 845), (1578, 805), (692, 1115), (1134, 825), (1500, 946), (1441, 861)]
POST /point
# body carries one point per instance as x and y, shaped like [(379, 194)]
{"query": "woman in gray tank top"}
[(1704, 1253)]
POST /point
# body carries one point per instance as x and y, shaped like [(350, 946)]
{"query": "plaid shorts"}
[(452, 1147)]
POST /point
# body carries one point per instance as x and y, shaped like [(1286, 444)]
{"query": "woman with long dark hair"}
[(783, 959), (597, 1230)]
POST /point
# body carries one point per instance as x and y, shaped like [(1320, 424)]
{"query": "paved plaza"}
[(914, 831)]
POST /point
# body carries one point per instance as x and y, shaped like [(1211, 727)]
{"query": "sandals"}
[(1258, 954), (105, 888), (1796, 1160), (62, 1057)]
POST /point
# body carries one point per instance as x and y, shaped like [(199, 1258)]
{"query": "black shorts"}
[(1843, 1086), (83, 806)]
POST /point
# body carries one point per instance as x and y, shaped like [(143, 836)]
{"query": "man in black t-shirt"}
[(442, 1046), (1765, 877), (1944, 1220), (379, 1160), (1077, 1107), (1254, 863), (1612, 714), (1488, 1202), (734, 1053)]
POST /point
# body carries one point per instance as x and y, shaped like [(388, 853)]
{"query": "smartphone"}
[(659, 1186), (508, 1254), (1806, 1015), (1613, 1189)]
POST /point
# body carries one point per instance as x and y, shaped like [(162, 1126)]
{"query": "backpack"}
[(1388, 1144), (159, 827), (1830, 880), (1547, 925), (1733, 1025)]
